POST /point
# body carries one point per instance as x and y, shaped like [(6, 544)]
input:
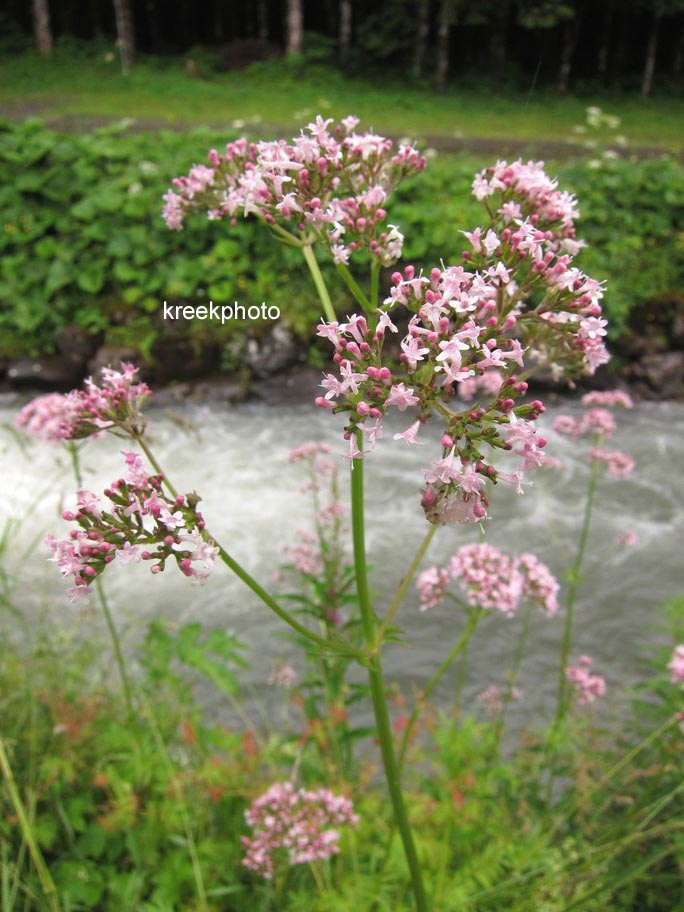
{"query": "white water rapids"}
[(236, 460)]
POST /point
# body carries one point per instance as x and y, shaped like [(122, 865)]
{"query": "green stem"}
[(461, 674), (249, 581), (460, 644), (575, 578), (116, 643), (271, 603), (138, 437), (377, 687), (109, 620), (375, 282), (403, 586), (319, 282), (513, 676), (46, 881), (354, 287)]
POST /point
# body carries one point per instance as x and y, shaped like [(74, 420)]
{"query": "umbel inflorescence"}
[(137, 520), (515, 301), (333, 183)]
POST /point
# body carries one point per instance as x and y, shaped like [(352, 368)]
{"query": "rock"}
[(112, 356), (221, 390), (47, 373), (664, 373), (297, 388), (168, 396), (76, 345), (272, 353), (180, 358)]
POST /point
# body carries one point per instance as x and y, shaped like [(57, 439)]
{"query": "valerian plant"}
[(514, 301)]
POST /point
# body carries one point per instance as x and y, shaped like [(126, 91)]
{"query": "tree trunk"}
[(620, 54), (678, 59), (125, 34), (345, 30), (217, 28), (41, 27), (570, 34), (294, 28), (602, 59), (422, 34), (497, 45), (152, 29), (262, 20), (444, 23), (651, 51)]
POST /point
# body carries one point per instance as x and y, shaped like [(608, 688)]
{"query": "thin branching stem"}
[(377, 687)]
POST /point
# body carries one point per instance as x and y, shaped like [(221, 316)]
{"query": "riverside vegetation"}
[(134, 799), (78, 228)]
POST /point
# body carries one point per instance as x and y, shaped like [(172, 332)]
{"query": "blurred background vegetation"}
[(106, 101)]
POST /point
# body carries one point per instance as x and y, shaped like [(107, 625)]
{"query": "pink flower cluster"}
[(676, 665), (436, 354), (284, 676), (491, 580), (587, 686), (599, 422), (461, 332), (82, 413), (488, 383), (617, 462), (494, 698), (301, 823), (329, 181), (139, 523), (533, 222), (608, 399)]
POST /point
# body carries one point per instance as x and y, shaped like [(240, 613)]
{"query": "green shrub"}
[(83, 242)]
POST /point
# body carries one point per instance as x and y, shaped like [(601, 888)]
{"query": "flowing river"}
[(236, 458)]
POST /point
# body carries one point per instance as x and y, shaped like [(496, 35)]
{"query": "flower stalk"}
[(377, 687)]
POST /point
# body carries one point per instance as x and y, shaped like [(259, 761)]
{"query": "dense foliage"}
[(146, 816), (81, 243)]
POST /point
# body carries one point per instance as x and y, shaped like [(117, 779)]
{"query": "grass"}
[(280, 94)]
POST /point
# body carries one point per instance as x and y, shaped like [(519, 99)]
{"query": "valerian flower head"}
[(491, 580), (300, 824), (115, 403), (329, 182), (587, 686), (471, 330), (599, 422), (676, 665), (137, 521)]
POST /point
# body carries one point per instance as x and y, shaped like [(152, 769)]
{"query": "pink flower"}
[(84, 413), (628, 538), (492, 580), (587, 686), (618, 463), (51, 419), (304, 823), (401, 397), (608, 398), (284, 676), (410, 435), (431, 585), (138, 523), (492, 699), (676, 665)]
